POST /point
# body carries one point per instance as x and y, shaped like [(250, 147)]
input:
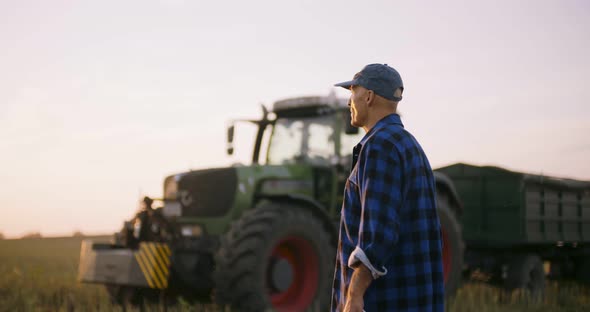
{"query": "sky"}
[(100, 100)]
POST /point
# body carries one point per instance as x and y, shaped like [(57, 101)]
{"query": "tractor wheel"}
[(453, 246), (276, 257), (526, 272)]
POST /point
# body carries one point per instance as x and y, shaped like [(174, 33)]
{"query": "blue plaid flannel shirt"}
[(389, 223)]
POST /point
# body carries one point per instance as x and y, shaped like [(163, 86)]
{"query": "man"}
[(389, 251)]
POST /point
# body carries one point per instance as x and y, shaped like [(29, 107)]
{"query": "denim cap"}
[(380, 78)]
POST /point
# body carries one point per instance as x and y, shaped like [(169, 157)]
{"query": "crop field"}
[(39, 274)]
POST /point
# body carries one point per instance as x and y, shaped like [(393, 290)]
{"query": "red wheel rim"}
[(304, 262), (447, 255)]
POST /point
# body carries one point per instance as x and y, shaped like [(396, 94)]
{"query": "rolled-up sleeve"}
[(380, 187)]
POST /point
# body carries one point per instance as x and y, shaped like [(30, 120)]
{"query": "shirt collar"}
[(392, 119)]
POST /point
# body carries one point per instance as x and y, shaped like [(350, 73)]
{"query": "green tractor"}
[(257, 237)]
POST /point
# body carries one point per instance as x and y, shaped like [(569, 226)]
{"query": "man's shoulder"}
[(392, 135)]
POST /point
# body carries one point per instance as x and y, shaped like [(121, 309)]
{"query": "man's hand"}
[(360, 281)]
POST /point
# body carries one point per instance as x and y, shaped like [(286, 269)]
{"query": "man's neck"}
[(373, 119)]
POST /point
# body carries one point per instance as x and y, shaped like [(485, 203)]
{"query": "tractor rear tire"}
[(453, 246), (278, 257), (526, 272)]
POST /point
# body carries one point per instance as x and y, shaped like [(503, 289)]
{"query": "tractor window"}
[(320, 143), (285, 142), (303, 140)]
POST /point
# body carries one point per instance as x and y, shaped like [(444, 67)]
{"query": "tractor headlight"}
[(191, 230)]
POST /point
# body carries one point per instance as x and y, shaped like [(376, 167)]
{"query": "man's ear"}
[(370, 97)]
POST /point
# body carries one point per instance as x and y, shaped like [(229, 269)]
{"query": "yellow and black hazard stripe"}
[(154, 262)]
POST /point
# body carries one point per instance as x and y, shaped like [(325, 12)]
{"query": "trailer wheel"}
[(277, 257), (526, 272), (453, 246)]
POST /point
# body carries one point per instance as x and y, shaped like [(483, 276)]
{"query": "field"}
[(40, 275)]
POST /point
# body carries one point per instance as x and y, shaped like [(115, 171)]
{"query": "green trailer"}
[(518, 227)]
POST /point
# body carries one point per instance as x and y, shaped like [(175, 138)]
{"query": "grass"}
[(39, 274), (560, 297)]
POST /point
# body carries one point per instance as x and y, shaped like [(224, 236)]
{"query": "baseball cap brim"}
[(346, 84)]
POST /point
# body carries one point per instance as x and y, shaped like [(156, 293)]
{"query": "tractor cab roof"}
[(308, 106)]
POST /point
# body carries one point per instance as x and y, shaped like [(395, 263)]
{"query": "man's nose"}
[(349, 102)]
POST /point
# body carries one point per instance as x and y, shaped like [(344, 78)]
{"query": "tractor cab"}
[(312, 130)]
